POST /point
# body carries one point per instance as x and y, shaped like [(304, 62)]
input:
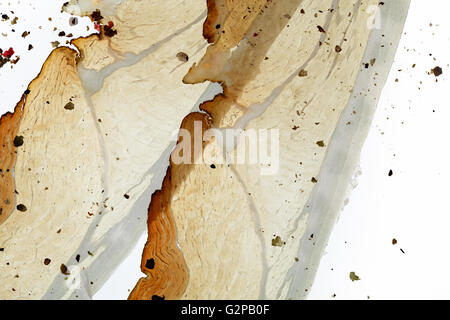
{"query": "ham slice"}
[(88, 148)]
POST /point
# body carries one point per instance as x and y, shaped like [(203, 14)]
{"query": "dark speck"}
[(69, 106), (150, 264), (182, 57), (64, 269), (21, 207), (18, 141), (437, 71)]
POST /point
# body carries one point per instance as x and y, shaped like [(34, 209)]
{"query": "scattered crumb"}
[(354, 277), (437, 71), (277, 242), (182, 57), (303, 73), (64, 269)]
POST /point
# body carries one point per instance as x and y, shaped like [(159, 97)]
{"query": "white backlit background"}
[(409, 136)]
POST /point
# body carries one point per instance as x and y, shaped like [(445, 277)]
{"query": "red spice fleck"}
[(255, 34), (97, 27), (110, 24), (90, 214), (8, 53)]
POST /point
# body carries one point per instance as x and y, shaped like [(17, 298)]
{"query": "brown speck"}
[(354, 277), (437, 71), (303, 73), (21, 207), (394, 242), (338, 49), (321, 29), (277, 242), (18, 141), (321, 143), (182, 57), (96, 16), (64, 269), (108, 30), (69, 106), (47, 261)]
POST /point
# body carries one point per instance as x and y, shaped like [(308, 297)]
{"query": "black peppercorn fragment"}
[(437, 71), (155, 297), (73, 21), (18, 141), (47, 261), (21, 208), (150, 264)]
